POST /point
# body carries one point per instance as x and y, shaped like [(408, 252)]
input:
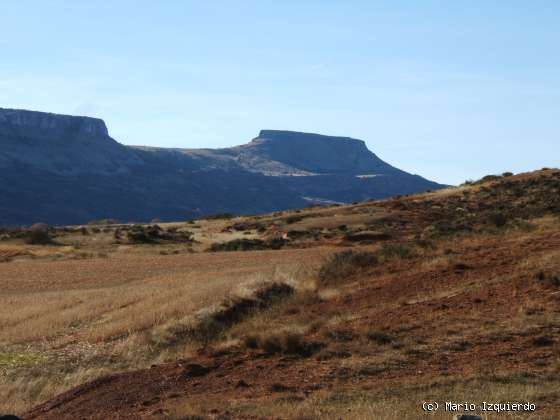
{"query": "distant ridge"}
[(64, 169)]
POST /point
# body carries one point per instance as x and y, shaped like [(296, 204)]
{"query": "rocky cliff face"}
[(40, 125), (65, 169), (60, 144)]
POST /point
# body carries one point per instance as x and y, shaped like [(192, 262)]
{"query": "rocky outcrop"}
[(65, 169), (60, 144), (34, 125)]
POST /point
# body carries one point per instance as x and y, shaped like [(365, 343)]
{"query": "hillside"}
[(49, 159), (356, 311)]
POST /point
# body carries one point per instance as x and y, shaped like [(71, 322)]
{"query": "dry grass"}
[(63, 322)]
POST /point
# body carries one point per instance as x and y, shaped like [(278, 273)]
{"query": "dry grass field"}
[(361, 311), (66, 321)]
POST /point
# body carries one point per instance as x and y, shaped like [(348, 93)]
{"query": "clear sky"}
[(451, 90)]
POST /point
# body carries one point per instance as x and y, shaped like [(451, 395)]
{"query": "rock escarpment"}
[(41, 125), (59, 144)]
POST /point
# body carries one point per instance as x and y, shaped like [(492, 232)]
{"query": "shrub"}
[(104, 222), (548, 280), (271, 344), (287, 343), (367, 236), (243, 226), (154, 234), (448, 228), (244, 244), (343, 264), (277, 387), (379, 337), (294, 219), (461, 267), (252, 342), (498, 219), (340, 335), (38, 234), (489, 178), (393, 251), (294, 344), (220, 216), (542, 341), (143, 234)]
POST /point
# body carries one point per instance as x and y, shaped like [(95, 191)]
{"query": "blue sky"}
[(451, 90)]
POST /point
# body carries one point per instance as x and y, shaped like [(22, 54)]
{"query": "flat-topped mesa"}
[(297, 136), (43, 125), (318, 153)]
